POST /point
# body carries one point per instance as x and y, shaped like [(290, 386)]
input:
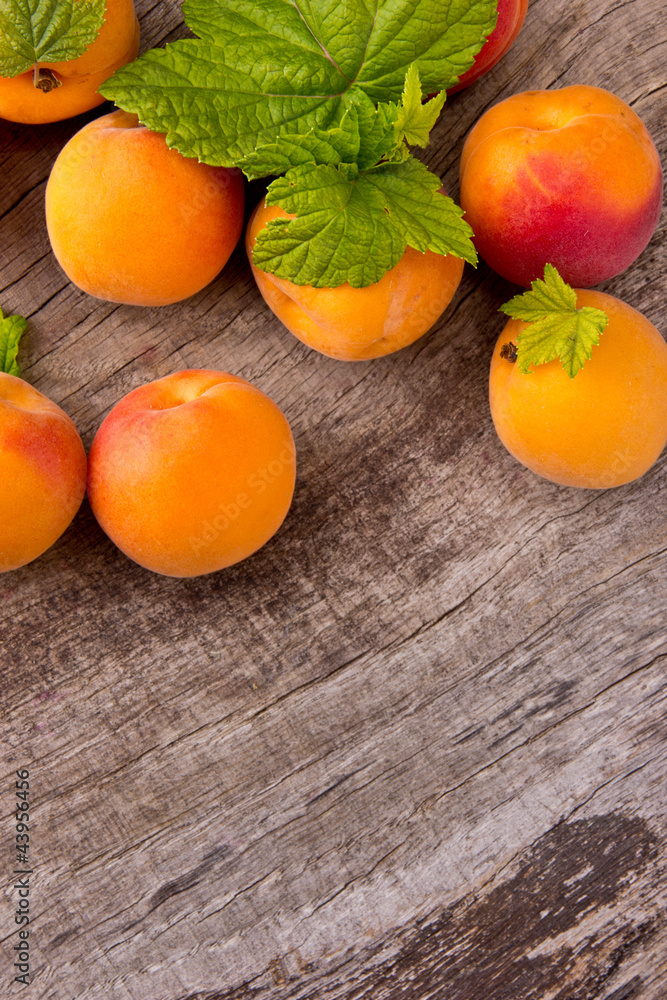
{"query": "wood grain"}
[(415, 747)]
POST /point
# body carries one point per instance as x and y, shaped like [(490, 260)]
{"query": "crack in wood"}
[(181, 884)]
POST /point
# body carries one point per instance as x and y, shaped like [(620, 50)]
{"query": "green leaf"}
[(46, 31), (414, 204), (378, 136), (358, 195), (557, 328), (355, 229), (335, 237), (258, 71), (415, 120), (11, 331), (365, 135)]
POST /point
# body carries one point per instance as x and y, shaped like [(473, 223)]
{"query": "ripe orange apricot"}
[(354, 324), (604, 427), (116, 44), (192, 473), (133, 221), (569, 177), (42, 472)]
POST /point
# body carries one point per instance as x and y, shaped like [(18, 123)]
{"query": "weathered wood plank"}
[(413, 747)]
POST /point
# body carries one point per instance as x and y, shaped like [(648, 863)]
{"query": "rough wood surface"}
[(413, 748)]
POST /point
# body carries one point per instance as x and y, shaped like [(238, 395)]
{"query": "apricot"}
[(192, 473), (604, 427), (569, 177), (71, 87), (511, 15), (131, 220), (42, 472), (354, 324)]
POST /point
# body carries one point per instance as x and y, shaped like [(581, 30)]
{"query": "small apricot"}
[(604, 427), (354, 324), (131, 220), (42, 472), (70, 87), (192, 473)]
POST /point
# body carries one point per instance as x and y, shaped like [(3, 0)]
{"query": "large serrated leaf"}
[(414, 205), (283, 66), (337, 235), (353, 227), (216, 113)]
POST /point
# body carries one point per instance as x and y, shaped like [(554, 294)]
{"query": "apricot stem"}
[(44, 79), (508, 351)]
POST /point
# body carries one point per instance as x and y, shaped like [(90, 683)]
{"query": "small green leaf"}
[(46, 31), (547, 295), (364, 135), (376, 128), (415, 120), (557, 329), (354, 229), (12, 329)]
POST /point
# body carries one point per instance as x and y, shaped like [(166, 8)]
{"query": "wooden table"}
[(415, 747)]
